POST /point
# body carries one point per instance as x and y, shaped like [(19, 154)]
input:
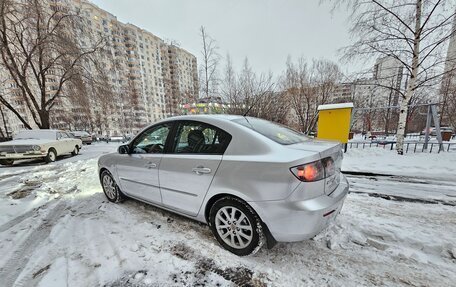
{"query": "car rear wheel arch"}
[(211, 202)]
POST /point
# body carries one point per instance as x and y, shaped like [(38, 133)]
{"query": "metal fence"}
[(416, 146)]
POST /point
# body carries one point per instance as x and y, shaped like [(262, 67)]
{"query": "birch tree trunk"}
[(411, 83)]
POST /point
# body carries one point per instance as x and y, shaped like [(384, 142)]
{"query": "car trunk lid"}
[(326, 149)]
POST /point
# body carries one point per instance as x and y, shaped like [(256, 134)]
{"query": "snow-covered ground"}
[(57, 229)]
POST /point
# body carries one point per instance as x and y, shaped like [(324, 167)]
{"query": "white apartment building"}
[(144, 78), (388, 75), (450, 61), (376, 93)]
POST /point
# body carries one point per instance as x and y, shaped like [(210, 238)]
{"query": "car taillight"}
[(309, 172), (315, 171)]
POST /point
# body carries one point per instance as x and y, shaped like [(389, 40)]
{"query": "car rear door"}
[(138, 170), (186, 172), (70, 142), (63, 144)]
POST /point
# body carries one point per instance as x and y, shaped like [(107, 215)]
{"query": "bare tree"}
[(308, 87), (253, 94), (3, 133), (414, 32), (229, 89), (448, 100), (326, 75), (209, 65), (296, 83), (41, 55), (451, 116), (257, 96)]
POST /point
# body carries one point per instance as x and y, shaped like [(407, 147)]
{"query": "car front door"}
[(186, 172), (138, 170)]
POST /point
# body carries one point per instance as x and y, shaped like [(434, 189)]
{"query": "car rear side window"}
[(199, 138), (273, 131), (62, 135)]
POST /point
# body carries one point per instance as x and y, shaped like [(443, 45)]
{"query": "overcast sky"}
[(265, 31)]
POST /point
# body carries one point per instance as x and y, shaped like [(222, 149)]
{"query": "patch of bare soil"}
[(21, 192), (240, 276)]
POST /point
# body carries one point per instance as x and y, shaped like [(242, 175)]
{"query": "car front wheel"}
[(236, 226), (110, 188), (51, 156)]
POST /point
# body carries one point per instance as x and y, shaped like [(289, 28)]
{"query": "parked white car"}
[(44, 144)]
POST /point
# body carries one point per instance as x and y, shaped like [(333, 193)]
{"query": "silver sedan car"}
[(252, 181)]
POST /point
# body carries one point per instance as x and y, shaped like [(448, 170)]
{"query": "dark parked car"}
[(85, 137), (117, 138)]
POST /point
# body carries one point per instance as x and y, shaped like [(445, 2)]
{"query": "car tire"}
[(51, 155), (7, 162), (244, 237), (75, 151), (110, 187)]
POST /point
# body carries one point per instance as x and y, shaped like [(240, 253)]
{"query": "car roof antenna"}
[(253, 104), (245, 114)]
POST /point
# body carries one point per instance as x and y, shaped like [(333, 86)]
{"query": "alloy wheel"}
[(233, 227), (109, 187)]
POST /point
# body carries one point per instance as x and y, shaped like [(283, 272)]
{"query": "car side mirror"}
[(123, 149)]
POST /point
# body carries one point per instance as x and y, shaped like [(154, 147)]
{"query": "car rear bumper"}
[(290, 221)]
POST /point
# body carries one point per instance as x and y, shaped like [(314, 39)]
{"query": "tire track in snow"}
[(16, 264), (21, 218), (404, 199), (407, 189), (10, 176)]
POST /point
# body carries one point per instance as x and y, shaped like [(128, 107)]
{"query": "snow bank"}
[(385, 161)]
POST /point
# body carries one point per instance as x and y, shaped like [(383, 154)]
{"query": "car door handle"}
[(150, 165), (201, 170)]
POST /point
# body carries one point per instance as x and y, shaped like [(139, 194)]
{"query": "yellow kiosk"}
[(334, 122)]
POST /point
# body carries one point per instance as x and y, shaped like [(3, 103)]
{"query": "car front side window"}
[(152, 140)]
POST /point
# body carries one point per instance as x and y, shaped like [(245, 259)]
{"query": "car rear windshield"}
[(273, 131)]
